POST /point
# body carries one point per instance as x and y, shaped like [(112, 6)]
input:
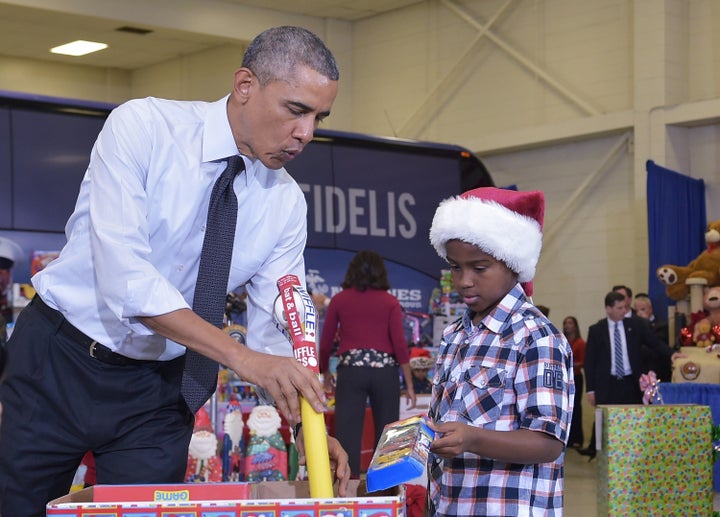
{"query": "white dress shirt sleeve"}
[(127, 280)]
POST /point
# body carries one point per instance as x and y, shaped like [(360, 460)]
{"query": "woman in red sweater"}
[(368, 322), (571, 329)]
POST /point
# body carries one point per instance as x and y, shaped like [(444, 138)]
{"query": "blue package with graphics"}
[(401, 454)]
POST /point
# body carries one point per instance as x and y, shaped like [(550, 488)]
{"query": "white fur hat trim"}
[(508, 236)]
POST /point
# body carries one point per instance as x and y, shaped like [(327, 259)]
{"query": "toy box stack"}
[(276, 498), (654, 460)]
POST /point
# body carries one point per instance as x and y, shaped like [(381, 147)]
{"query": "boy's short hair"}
[(506, 224)]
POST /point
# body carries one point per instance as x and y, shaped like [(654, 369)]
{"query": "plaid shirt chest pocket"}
[(475, 396), (479, 398)]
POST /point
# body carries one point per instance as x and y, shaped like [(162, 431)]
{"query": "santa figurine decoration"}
[(266, 458), (233, 448), (204, 464)]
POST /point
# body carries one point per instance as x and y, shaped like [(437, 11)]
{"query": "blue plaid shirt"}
[(513, 371)]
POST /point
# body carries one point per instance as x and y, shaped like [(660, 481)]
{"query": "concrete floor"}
[(580, 485)]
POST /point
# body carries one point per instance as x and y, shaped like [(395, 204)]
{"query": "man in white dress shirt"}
[(124, 283)]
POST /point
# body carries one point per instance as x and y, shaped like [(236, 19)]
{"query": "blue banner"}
[(376, 199)]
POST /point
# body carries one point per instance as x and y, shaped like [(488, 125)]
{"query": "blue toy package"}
[(401, 454)]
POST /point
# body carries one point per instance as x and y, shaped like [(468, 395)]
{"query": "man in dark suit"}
[(661, 365), (613, 357)]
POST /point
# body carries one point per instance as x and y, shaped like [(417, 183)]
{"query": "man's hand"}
[(677, 355), (591, 398), (339, 463), (283, 378)]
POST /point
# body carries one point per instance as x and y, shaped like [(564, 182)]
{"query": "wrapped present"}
[(654, 460)]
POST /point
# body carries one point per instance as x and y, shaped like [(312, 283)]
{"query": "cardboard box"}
[(654, 460), (265, 499)]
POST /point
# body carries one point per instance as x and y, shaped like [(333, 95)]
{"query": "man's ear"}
[(242, 83)]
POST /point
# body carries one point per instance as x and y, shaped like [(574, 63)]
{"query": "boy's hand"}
[(453, 438)]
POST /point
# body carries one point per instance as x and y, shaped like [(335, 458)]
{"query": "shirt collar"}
[(496, 318), (611, 323), (218, 140)]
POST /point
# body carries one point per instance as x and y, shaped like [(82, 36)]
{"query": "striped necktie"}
[(617, 342)]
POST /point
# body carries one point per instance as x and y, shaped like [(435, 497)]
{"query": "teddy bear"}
[(705, 328), (711, 304), (703, 336), (706, 265)]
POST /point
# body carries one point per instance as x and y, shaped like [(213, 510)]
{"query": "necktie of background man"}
[(619, 364), (200, 373)]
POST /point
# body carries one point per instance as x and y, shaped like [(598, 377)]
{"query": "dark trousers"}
[(355, 385), (576, 429), (621, 391), (58, 403)]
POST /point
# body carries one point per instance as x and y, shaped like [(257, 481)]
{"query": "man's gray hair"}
[(274, 54)]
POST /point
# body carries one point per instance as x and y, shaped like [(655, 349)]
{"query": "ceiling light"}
[(78, 48)]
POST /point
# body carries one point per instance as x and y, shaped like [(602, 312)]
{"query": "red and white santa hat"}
[(202, 421), (420, 359), (506, 224)]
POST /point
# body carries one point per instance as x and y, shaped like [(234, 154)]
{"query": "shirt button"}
[(181, 267)]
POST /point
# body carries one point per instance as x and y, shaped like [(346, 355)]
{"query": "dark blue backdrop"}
[(676, 225)]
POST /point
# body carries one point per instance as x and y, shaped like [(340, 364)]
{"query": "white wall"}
[(206, 75), (65, 81), (544, 98)]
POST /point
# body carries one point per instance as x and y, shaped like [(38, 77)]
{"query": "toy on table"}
[(401, 454), (711, 304), (204, 464), (703, 336), (85, 475), (266, 456), (704, 327), (233, 447), (294, 313), (706, 265)]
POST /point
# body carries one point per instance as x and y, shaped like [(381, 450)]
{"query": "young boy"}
[(503, 388)]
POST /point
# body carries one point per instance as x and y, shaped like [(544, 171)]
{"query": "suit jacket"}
[(598, 358)]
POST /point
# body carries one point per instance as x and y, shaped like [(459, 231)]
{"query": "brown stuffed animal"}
[(703, 336), (706, 265), (706, 331), (711, 304)]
